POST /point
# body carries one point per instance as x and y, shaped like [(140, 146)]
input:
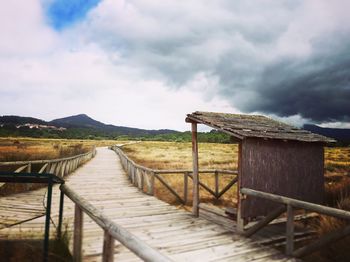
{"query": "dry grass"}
[(338, 250), (173, 155), (337, 174), (337, 160), (22, 149)]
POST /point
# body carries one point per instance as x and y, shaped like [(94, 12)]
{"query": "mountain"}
[(84, 121), (80, 120), (342, 135), (77, 126), (20, 120)]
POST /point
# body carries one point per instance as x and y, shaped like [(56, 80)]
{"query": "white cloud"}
[(149, 63)]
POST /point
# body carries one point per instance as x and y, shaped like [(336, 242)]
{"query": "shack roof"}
[(244, 126)]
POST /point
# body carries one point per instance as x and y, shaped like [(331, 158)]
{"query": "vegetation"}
[(29, 247), (23, 149), (101, 134)]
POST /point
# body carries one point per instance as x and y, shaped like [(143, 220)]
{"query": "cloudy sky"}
[(147, 63)]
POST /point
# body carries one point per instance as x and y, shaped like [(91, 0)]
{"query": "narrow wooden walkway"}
[(174, 232)]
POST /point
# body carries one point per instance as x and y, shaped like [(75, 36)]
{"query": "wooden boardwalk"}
[(172, 231)]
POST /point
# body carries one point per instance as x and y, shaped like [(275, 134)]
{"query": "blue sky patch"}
[(63, 13)]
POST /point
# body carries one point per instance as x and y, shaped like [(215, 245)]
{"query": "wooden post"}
[(290, 231), (195, 207), (142, 179), (152, 184), (108, 247), (240, 220), (78, 234), (216, 184), (185, 187), (29, 168)]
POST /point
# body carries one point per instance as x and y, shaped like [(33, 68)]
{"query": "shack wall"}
[(293, 169)]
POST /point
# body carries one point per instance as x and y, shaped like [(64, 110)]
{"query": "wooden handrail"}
[(14, 163), (59, 167), (111, 229), (330, 211), (142, 176), (289, 205)]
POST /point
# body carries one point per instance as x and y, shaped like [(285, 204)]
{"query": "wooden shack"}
[(273, 157)]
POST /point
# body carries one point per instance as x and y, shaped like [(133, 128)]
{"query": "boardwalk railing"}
[(144, 178), (289, 205), (112, 231), (59, 167)]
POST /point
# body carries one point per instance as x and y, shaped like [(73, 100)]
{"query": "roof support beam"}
[(195, 207)]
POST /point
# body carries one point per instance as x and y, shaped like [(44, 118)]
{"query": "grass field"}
[(22, 149), (172, 155)]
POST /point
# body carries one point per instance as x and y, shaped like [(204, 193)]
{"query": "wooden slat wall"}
[(293, 169)]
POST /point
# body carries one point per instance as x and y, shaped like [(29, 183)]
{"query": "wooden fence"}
[(288, 205), (144, 178), (59, 167), (111, 230)]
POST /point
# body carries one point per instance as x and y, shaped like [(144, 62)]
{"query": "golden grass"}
[(22, 149), (337, 160), (175, 155), (338, 250), (25, 149)]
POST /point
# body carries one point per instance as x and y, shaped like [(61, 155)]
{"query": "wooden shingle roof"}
[(244, 126)]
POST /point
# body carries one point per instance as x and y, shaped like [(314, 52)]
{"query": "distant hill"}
[(84, 121), (84, 127), (78, 126), (342, 135), (81, 120), (20, 120)]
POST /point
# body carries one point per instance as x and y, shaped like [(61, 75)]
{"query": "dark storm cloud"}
[(317, 88), (277, 57)]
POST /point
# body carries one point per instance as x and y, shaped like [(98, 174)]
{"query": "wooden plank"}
[(133, 243)]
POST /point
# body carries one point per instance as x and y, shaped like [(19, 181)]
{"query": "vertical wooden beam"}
[(185, 187), (142, 179), (78, 234), (290, 231), (151, 191), (195, 207), (108, 247), (216, 184), (240, 220), (29, 168)]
